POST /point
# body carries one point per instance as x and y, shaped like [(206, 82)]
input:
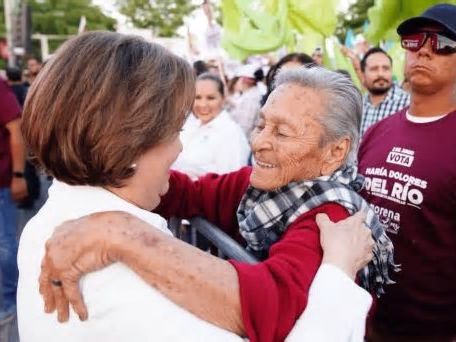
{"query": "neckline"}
[(422, 119)]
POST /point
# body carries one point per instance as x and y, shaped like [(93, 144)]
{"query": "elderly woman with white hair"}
[(304, 147)]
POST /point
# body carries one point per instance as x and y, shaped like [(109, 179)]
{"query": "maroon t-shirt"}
[(9, 111), (410, 171)]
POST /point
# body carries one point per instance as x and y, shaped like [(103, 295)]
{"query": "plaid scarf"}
[(265, 215)]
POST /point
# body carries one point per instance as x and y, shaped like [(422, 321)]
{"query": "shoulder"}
[(399, 93), (229, 133), (226, 121), (335, 212), (302, 238), (191, 122), (383, 126), (452, 117)]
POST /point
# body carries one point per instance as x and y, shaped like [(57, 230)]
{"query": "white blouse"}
[(218, 146), (121, 306)]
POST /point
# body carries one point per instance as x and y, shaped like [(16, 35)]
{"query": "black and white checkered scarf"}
[(264, 216)]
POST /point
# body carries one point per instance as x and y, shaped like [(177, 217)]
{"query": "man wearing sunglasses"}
[(409, 160)]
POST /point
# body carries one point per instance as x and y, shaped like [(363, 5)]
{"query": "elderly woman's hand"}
[(347, 244), (78, 247)]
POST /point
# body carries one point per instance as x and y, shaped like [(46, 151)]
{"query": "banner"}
[(386, 15), (259, 26)]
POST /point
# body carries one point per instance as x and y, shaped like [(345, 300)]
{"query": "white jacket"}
[(121, 306)]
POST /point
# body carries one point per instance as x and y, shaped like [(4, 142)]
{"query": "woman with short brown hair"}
[(101, 103), (103, 118)]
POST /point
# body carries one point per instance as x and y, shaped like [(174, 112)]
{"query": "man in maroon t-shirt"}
[(409, 160), (12, 187)]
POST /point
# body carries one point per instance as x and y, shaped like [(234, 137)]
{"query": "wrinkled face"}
[(208, 101), (286, 141), (427, 71), (378, 75)]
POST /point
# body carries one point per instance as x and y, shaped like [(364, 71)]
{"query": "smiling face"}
[(286, 143), (208, 100), (427, 71)]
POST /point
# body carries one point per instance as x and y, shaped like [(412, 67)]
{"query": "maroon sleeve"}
[(215, 197), (274, 292), (9, 107)]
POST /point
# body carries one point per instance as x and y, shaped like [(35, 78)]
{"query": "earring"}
[(133, 166)]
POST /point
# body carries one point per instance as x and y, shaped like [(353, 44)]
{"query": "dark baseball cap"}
[(441, 14)]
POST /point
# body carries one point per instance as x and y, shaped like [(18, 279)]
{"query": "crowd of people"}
[(343, 198)]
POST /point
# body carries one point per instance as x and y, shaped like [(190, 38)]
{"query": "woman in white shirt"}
[(212, 141), (97, 121)]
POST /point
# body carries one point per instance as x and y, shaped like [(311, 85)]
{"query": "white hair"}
[(343, 103)]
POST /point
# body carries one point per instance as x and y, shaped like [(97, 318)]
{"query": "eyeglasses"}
[(440, 44)]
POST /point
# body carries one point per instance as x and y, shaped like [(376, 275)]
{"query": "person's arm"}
[(269, 311), (203, 284), (18, 184), (214, 197), (199, 282), (337, 307), (351, 55)]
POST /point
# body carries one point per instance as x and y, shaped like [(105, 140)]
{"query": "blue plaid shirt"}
[(395, 100)]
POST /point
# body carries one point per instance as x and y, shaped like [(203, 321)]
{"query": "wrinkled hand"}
[(77, 247), (347, 244), (18, 189)]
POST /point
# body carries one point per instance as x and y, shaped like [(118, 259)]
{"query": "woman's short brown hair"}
[(101, 102)]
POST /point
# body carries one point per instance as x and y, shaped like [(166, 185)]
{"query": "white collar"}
[(81, 200), (422, 119)]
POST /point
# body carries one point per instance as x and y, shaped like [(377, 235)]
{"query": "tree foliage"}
[(354, 18), (62, 17), (163, 17)]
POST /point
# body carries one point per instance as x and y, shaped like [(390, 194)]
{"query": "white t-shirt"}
[(121, 306), (218, 146)]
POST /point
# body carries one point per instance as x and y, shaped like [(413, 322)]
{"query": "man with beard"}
[(384, 97), (409, 162)]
